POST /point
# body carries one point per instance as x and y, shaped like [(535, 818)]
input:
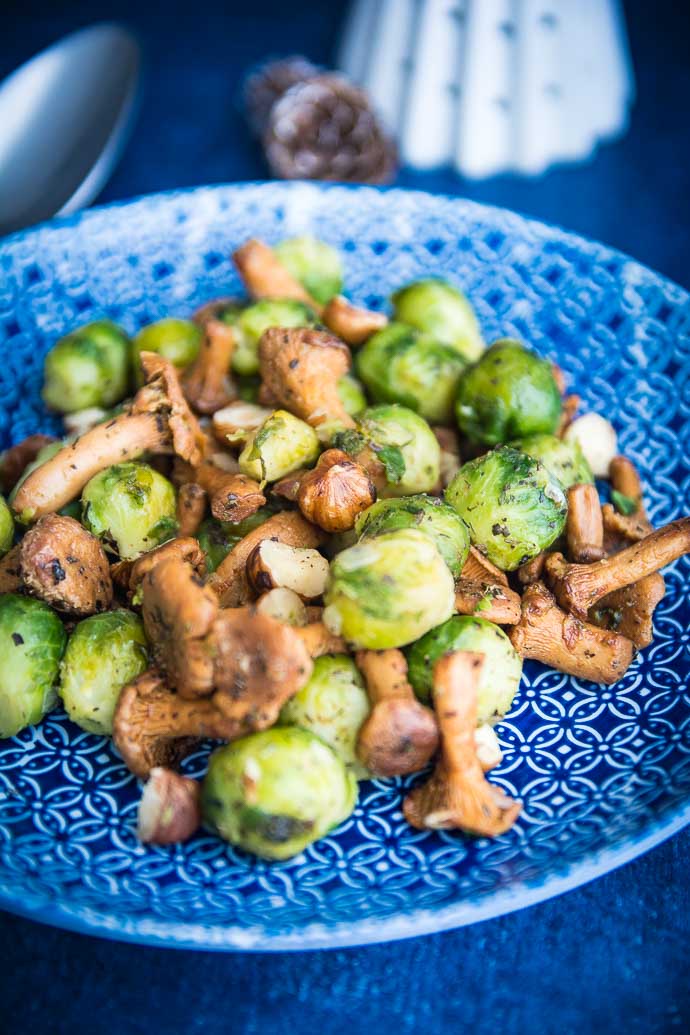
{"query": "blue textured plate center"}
[(603, 773)]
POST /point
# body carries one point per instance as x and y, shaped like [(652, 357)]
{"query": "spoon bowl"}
[(64, 117)]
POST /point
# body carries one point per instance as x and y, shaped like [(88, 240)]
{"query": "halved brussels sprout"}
[(405, 445), (91, 366), (104, 653), (509, 393), (426, 513), (315, 264), (502, 669), (32, 640), (6, 527), (440, 309), (131, 508), (403, 365), (513, 505), (388, 590), (282, 444), (273, 793), (565, 460), (333, 705), (217, 538), (250, 324), (174, 339), (352, 395)]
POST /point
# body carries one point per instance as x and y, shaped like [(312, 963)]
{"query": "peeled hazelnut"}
[(335, 492), (272, 564), (170, 808)]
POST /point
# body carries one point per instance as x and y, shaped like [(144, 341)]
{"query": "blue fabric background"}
[(611, 956)]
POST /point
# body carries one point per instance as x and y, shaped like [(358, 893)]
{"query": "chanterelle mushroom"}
[(66, 566), (458, 795), (548, 634), (16, 459), (265, 276), (480, 569), (10, 571), (350, 323), (488, 600), (630, 611), (300, 369), (230, 582), (129, 574), (179, 613), (191, 508), (400, 735), (232, 496), (159, 421), (207, 383), (578, 587), (584, 524)]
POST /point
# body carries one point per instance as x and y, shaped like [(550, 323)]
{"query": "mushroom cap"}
[(301, 367), (163, 394), (66, 566)]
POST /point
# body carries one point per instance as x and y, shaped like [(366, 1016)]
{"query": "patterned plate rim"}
[(144, 930)]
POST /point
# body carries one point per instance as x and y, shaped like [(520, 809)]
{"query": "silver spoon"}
[(64, 116)]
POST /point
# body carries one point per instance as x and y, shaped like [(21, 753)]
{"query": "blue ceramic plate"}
[(604, 774)]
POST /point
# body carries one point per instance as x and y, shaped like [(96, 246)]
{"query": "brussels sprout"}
[(428, 514), (388, 590), (405, 445), (6, 527), (104, 653), (251, 323), (32, 640), (174, 339), (217, 538), (351, 395), (282, 444), (514, 507), (509, 393), (89, 367), (502, 669), (400, 364), (333, 705), (315, 264), (131, 508), (564, 460), (248, 388), (440, 309), (273, 793)]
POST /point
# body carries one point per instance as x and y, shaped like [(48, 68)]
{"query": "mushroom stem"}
[(400, 735), (350, 323), (128, 575), (571, 404), (578, 586), (230, 582), (319, 640), (624, 478), (154, 727), (487, 600), (584, 526), (630, 611), (233, 496), (479, 568), (206, 383), (265, 276), (191, 507), (532, 571), (60, 479), (548, 634), (458, 795), (300, 369)]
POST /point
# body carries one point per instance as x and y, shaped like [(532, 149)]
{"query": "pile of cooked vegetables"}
[(337, 574)]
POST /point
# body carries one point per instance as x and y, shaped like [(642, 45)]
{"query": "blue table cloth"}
[(612, 955)]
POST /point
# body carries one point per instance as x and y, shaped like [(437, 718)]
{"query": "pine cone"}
[(268, 83), (325, 129)]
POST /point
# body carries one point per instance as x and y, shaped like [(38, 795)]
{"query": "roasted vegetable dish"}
[(321, 536)]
